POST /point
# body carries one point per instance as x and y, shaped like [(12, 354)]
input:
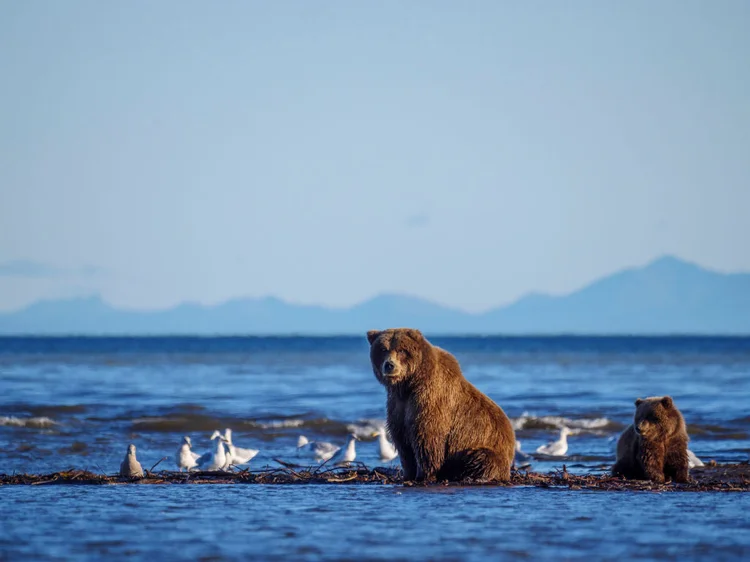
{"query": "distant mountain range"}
[(667, 296)]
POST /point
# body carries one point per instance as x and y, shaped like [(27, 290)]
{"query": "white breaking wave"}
[(365, 428), (278, 424), (525, 420), (27, 422)]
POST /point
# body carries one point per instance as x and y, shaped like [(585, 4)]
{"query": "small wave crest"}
[(365, 428), (594, 425), (38, 422), (264, 428), (278, 424), (270, 427)]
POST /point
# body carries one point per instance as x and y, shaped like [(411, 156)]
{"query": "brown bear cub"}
[(442, 426), (654, 446)]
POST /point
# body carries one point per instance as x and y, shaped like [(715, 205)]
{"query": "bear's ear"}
[(415, 334), (666, 401), (372, 335), (638, 401)]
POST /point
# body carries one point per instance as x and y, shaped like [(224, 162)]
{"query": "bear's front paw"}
[(657, 478), (682, 479)]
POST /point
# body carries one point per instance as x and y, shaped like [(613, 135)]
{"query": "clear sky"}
[(324, 152)]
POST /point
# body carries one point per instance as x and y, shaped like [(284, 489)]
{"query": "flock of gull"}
[(226, 454)]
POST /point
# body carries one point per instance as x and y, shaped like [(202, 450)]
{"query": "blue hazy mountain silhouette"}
[(667, 296)]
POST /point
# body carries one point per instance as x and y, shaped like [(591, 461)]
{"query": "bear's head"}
[(656, 417), (395, 354)]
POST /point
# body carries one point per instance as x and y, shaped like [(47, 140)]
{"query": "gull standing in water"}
[(693, 460), (237, 455), (186, 458), (215, 460), (521, 459), (130, 467), (388, 450), (321, 450), (556, 448), (346, 454)]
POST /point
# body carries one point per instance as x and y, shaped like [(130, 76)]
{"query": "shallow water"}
[(232, 522), (78, 402)]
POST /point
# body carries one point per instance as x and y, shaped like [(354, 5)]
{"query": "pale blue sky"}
[(466, 152)]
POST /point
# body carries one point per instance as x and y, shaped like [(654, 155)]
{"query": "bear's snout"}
[(388, 367), (645, 428)]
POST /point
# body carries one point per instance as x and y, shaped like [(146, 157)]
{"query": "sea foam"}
[(14, 421)]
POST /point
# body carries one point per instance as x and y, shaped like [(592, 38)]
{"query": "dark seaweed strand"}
[(718, 478)]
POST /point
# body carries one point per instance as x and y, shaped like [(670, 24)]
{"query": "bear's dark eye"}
[(403, 354)]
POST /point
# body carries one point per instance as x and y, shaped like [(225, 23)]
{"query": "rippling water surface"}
[(78, 402), (370, 522)]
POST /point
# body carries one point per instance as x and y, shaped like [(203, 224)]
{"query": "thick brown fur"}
[(442, 426), (654, 446)]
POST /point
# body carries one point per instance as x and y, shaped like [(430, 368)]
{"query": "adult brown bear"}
[(443, 427)]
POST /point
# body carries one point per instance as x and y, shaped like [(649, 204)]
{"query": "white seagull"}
[(130, 467), (185, 456), (388, 450), (217, 459), (693, 460), (237, 455), (556, 448), (521, 459), (321, 450), (346, 454)]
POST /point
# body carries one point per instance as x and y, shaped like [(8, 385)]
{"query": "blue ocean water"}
[(78, 402)]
